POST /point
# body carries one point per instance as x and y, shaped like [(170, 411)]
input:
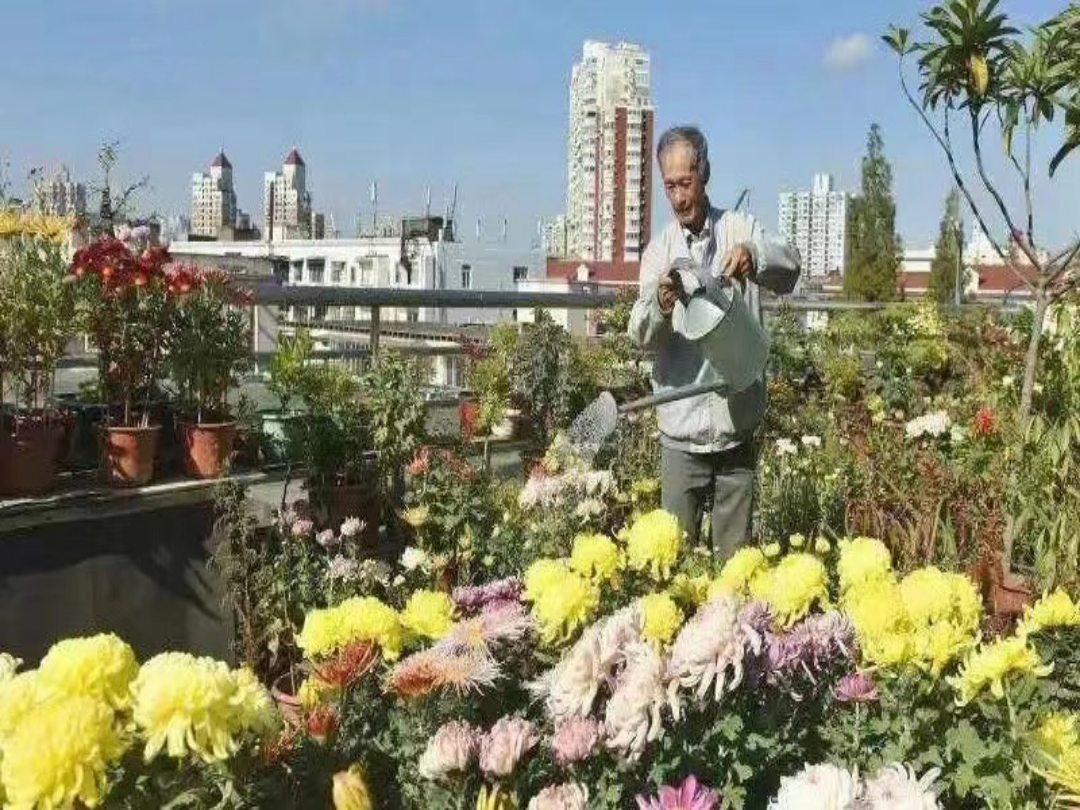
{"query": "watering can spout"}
[(729, 336)]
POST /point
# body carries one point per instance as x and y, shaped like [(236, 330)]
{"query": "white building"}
[(287, 201), (213, 199), (815, 222), (609, 165), (58, 195), (553, 240)]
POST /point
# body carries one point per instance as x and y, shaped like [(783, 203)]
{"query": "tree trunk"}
[(1031, 363), (1031, 367)]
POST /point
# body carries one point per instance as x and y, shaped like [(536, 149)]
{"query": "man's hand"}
[(668, 293), (738, 264)]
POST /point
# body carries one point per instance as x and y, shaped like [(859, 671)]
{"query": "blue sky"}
[(417, 92)]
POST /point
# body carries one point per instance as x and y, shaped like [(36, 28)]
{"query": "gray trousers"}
[(690, 480)]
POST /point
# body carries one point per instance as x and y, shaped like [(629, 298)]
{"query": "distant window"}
[(521, 273), (337, 272), (466, 276), (317, 270)]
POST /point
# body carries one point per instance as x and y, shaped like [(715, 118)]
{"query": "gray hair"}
[(694, 138)]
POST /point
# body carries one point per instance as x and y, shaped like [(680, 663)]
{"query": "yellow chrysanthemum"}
[(989, 666), (350, 790), (9, 665), (936, 646), (255, 709), (595, 556), (662, 617), (540, 576), (653, 543), (43, 226), (565, 606), (876, 609), (862, 559), (822, 545), (101, 667), (428, 614), (362, 618), (773, 550), (59, 757), (927, 596), (738, 571), (690, 591), (312, 691), (1055, 752), (1055, 609), (18, 697), (797, 541), (197, 706), (793, 587)]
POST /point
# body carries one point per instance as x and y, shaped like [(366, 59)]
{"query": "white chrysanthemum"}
[(786, 447), (413, 558), (899, 788), (632, 716), (571, 687), (817, 787), (934, 424), (709, 651), (540, 490)]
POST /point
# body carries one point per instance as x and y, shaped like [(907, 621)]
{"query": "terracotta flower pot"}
[(292, 711), (127, 455), (207, 448), (28, 458)]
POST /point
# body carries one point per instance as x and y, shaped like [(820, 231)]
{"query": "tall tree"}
[(946, 266), (873, 247)]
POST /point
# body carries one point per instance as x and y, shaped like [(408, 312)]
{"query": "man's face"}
[(683, 185)]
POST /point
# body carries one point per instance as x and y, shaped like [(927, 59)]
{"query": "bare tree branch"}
[(990, 187), (958, 178), (1025, 177), (1062, 263)]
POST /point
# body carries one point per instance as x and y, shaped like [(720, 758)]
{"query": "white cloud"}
[(848, 52)]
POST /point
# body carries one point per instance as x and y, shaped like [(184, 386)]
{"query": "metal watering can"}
[(726, 331), (729, 336)]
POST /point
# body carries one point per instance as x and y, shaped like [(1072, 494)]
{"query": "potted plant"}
[(287, 365), (336, 448), (36, 314), (488, 377), (125, 307), (208, 349)]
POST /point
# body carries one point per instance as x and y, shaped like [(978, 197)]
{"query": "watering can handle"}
[(671, 395)]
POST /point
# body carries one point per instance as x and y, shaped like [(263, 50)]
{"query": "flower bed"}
[(630, 668)]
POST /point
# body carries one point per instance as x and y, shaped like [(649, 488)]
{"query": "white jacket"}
[(710, 422)]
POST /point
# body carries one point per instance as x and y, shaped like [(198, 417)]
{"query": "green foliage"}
[(458, 506), (873, 246), (392, 392), (843, 373), (37, 311), (948, 251), (208, 348), (548, 377), (292, 354)]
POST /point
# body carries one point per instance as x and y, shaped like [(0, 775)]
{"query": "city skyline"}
[(475, 94)]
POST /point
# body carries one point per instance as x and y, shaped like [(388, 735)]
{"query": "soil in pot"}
[(128, 453), (207, 448), (29, 457)]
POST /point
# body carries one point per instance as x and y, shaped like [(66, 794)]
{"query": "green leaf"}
[(897, 39)]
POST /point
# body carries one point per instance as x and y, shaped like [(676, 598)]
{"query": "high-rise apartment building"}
[(286, 200), (815, 222), (213, 199), (553, 241), (609, 165), (58, 195)]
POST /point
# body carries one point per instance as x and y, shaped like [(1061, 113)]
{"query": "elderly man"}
[(708, 440)]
